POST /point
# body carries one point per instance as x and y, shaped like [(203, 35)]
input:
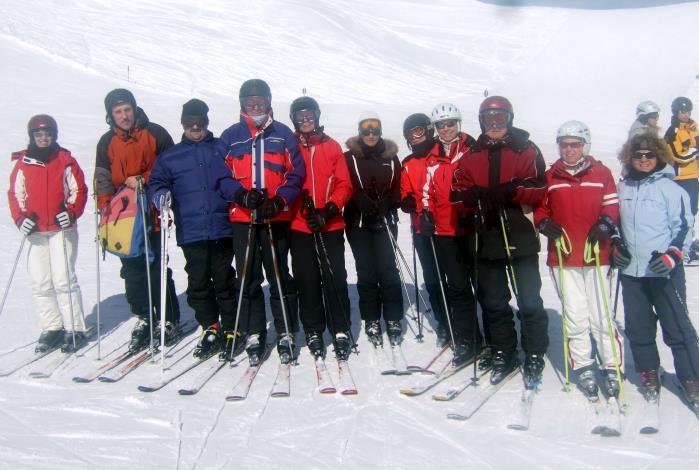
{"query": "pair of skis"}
[(346, 384)]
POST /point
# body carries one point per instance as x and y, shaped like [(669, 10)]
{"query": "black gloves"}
[(470, 197), (601, 231), (271, 207), (502, 194), (621, 257), (426, 221), (408, 204), (550, 229), (367, 206), (250, 199), (320, 218), (664, 263)]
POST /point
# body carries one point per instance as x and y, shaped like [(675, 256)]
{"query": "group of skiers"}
[(261, 191)]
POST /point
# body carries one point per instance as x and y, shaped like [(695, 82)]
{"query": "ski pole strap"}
[(564, 245), (560, 242), (591, 252)]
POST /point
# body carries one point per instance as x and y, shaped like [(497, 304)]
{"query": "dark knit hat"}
[(195, 109)]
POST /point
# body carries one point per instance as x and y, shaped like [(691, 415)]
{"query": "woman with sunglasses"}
[(656, 224), (581, 208), (47, 195), (369, 216), (317, 241), (419, 135)]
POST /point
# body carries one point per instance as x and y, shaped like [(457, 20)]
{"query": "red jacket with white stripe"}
[(327, 180), (576, 202), (43, 189)]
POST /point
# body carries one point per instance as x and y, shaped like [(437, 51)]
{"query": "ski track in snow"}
[(397, 57)]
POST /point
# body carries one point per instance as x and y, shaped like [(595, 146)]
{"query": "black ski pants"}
[(134, 274), (429, 274), (323, 298), (649, 300), (451, 253), (211, 281), (253, 318), (378, 282), (494, 295)]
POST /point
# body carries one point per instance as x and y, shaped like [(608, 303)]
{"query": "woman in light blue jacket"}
[(656, 224)]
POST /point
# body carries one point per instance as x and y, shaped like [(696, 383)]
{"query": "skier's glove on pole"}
[(250, 199), (273, 206), (550, 229), (601, 231), (367, 206), (320, 218), (502, 194), (664, 263), (27, 225), (63, 219), (427, 226), (408, 204)]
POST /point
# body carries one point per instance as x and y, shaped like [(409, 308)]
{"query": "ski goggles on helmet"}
[(417, 132), (639, 154), (301, 117), (574, 144), (41, 134), (255, 102), (495, 119), (446, 123), (370, 126)]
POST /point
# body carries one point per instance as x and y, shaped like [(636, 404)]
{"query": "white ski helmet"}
[(578, 130), (646, 107), (444, 112)]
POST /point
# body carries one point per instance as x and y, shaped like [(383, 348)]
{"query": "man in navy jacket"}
[(192, 171)]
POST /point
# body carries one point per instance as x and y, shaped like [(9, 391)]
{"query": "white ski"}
[(400, 365), (650, 417), (20, 361), (483, 394), (175, 371), (347, 386), (447, 371), (456, 388), (427, 368), (325, 382), (203, 376), (520, 420), (282, 383), (118, 373), (242, 387), (609, 415)]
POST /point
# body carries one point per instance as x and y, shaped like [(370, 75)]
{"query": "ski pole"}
[(243, 282), (97, 270), (400, 271), (165, 201), (282, 294), (12, 273), (610, 327), (508, 252), (68, 281), (417, 288), (141, 195), (563, 246), (447, 313)]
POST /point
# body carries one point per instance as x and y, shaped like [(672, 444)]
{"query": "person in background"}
[(47, 195), (647, 115)]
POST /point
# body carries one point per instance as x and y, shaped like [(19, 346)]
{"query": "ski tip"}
[(146, 388), (517, 427), (407, 392), (328, 391), (349, 392), (106, 379), (39, 375), (648, 430), (186, 391), (235, 398), (81, 380), (456, 416)]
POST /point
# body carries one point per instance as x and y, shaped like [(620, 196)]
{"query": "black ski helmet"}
[(416, 120), (116, 97), (304, 103), (681, 104), (42, 122), (255, 87)]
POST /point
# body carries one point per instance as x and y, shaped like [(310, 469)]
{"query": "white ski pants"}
[(585, 315), (47, 269)]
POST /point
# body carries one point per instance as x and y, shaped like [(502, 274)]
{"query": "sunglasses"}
[(252, 102), (190, 121), (495, 119), (570, 145), (304, 116), (648, 155), (442, 124), (370, 131), (417, 132), (41, 134)]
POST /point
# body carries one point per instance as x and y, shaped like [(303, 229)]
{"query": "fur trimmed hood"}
[(354, 145), (652, 141)]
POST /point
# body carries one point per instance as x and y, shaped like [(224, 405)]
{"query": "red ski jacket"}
[(576, 202), (44, 189), (327, 180)]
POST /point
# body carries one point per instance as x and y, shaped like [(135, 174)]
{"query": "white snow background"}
[(555, 60)]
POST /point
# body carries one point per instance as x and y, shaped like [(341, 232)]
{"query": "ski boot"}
[(650, 385), (314, 340), (485, 358), (172, 332), (587, 383), (503, 364), (533, 367), (343, 346), (611, 383), (285, 347), (394, 330), (442, 336), (372, 328), (691, 393), (255, 347), (140, 336), (209, 343), (228, 352), (80, 340), (48, 340), (464, 353)]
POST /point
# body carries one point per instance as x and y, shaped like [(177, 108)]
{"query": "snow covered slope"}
[(397, 57)]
